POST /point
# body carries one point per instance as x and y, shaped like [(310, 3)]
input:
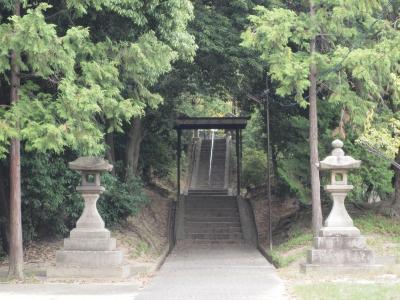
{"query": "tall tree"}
[(61, 87), (16, 257), (313, 135), (350, 39)]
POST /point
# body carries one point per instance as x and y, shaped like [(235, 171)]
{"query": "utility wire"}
[(379, 153)]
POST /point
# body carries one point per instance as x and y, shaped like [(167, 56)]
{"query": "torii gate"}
[(195, 123)]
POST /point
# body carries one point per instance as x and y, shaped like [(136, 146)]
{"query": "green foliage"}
[(365, 54), (198, 105), (51, 206), (372, 223), (382, 132), (121, 199), (374, 176), (67, 116), (358, 70), (292, 250), (141, 248), (292, 166), (254, 136), (76, 86), (254, 167), (254, 162)]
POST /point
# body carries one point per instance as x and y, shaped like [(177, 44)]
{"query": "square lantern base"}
[(339, 269), (65, 272), (88, 264), (340, 250), (89, 254)]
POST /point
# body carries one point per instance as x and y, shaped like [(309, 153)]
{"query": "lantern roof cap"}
[(90, 163), (338, 160)]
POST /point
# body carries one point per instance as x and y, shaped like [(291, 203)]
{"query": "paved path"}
[(215, 272), (69, 291)]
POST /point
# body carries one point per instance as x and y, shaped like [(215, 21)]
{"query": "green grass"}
[(377, 224), (383, 234), (381, 230), (347, 291), (279, 256), (141, 248)]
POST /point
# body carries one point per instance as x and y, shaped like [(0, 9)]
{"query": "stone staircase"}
[(210, 214), (217, 178), (212, 218)]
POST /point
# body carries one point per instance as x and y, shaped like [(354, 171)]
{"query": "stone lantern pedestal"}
[(89, 251), (339, 245)]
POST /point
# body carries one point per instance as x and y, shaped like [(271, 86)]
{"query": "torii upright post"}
[(178, 154), (238, 160)]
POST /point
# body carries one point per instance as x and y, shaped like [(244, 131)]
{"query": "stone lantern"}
[(89, 251), (339, 221), (339, 244), (90, 169)]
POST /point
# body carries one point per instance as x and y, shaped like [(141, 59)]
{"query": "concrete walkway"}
[(69, 291), (215, 272)]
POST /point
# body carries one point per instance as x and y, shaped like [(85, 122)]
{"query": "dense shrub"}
[(51, 205), (121, 199), (254, 167)]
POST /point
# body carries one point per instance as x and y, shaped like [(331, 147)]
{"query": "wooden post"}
[(241, 149), (238, 160), (269, 158), (178, 154)]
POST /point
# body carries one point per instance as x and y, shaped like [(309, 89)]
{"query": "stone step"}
[(208, 192), (191, 214), (215, 183), (210, 197), (206, 154), (212, 212), (217, 148), (213, 241), (199, 196), (190, 230), (214, 199), (219, 185), (213, 224), (211, 219), (215, 170), (212, 231), (209, 205), (214, 236)]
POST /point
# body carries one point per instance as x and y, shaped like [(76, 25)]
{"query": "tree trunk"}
[(396, 200), (110, 150), (16, 258), (4, 212), (313, 139), (133, 147)]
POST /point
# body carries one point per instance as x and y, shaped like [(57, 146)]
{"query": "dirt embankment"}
[(142, 237), (285, 211), (145, 236)]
